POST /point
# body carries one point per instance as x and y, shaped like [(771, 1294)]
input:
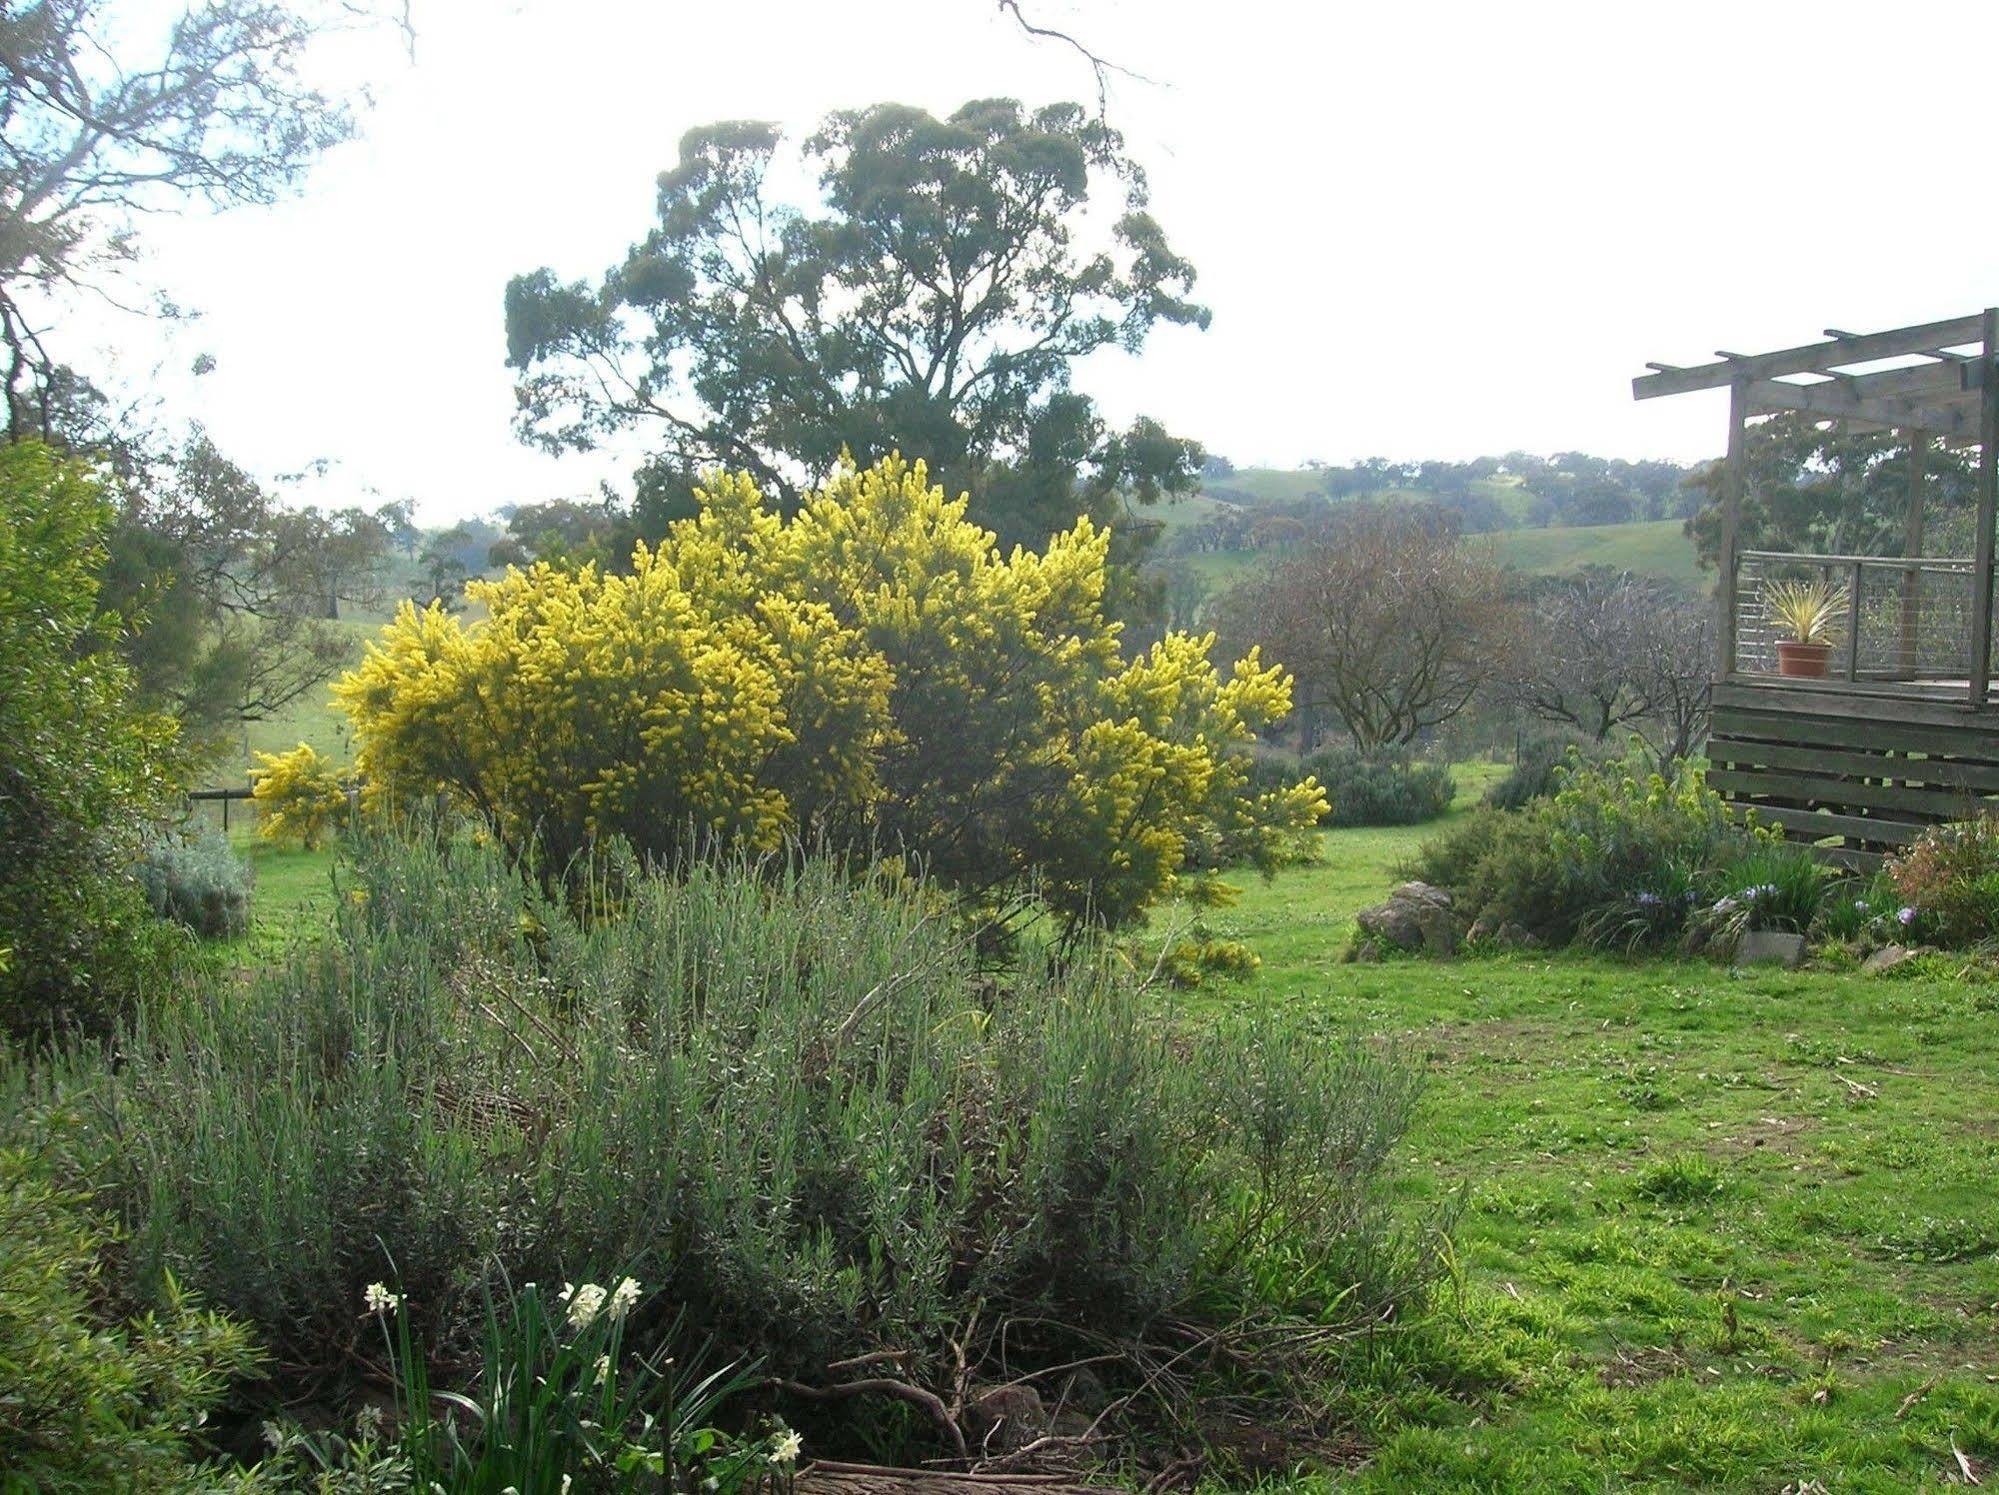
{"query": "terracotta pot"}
[(1802, 660)]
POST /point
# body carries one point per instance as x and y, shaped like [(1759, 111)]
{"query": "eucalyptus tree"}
[(933, 296)]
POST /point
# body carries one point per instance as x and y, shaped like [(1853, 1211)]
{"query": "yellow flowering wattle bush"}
[(299, 795), (870, 672)]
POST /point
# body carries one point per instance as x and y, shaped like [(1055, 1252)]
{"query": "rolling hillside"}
[(1649, 547)]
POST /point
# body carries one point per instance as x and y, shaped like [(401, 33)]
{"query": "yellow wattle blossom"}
[(871, 672)]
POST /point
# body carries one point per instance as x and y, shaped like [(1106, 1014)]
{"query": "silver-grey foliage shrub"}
[(196, 879), (785, 1098)]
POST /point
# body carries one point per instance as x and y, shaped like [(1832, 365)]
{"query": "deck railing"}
[(1905, 620)]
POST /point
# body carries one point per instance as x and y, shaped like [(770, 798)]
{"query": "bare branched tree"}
[(1681, 676), (1389, 620), (1613, 649)]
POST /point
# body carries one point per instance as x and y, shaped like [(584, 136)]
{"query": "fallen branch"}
[(916, 1396), (1909, 1401)]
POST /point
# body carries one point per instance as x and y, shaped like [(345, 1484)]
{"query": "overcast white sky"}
[(1426, 230)]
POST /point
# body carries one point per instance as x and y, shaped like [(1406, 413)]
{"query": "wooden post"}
[(1853, 623), (1988, 504), (1732, 479), (1912, 549)]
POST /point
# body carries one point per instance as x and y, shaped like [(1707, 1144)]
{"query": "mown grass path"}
[(1717, 1230)]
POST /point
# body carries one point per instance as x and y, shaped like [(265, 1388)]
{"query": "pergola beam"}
[(1832, 401), (1941, 381), (1813, 358)]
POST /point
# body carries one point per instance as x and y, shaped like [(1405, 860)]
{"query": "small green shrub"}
[(198, 881), (87, 1406), (1617, 856), (1542, 764), (1386, 788), (1948, 881), (1203, 958)]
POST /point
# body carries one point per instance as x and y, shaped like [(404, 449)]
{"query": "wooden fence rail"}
[(225, 797)]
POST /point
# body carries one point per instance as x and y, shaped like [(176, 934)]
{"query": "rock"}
[(1086, 1390), (1515, 937), (1367, 952), (1888, 958), (1766, 947), (1415, 917), (1005, 1419)]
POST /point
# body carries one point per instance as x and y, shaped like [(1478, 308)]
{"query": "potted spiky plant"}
[(1807, 610)]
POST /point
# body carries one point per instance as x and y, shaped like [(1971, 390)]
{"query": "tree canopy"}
[(935, 298), (1389, 619), (1816, 485)]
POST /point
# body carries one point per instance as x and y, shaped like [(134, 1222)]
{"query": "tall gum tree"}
[(934, 300)]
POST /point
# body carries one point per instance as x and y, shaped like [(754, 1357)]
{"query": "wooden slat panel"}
[(1841, 794), (1978, 746), (1941, 773), (1818, 824), (1827, 700)]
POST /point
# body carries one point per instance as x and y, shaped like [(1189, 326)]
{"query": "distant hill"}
[(1536, 513), (1657, 547)]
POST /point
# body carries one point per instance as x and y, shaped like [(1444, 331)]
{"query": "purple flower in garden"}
[(1907, 917), (1649, 900)]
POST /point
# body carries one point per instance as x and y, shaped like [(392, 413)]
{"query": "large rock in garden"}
[(1766, 947), (1888, 958), (1415, 917)]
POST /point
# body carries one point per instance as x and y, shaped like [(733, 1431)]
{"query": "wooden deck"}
[(1856, 768)]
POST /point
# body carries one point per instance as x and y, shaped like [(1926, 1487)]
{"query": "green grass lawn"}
[(1713, 1230)]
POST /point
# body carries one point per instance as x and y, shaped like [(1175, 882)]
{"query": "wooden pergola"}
[(1902, 734)]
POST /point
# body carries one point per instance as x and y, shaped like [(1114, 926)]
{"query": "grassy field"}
[(1712, 1230), (1650, 548)]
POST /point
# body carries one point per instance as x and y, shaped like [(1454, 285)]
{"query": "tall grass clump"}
[(780, 1094)]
